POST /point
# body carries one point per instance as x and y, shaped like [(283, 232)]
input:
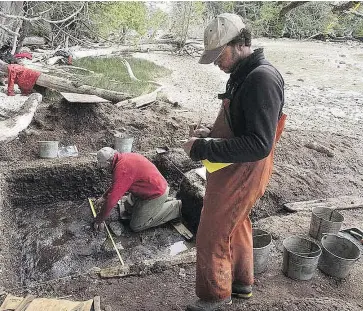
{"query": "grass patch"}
[(110, 73)]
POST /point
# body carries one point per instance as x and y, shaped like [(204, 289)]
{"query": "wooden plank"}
[(142, 100), (148, 265), (45, 304), (83, 98), (339, 203), (184, 231), (96, 303), (11, 302), (78, 307), (25, 303)]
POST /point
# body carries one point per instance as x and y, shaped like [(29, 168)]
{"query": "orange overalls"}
[(224, 238)]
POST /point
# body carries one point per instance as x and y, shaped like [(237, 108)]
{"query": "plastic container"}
[(262, 243), (48, 149), (339, 255), (301, 257), (123, 143), (324, 220), (67, 151)]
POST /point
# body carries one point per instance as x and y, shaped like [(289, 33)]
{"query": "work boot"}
[(201, 305), (241, 291), (178, 206)]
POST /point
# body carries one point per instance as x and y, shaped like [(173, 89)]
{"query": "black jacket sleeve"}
[(259, 101)]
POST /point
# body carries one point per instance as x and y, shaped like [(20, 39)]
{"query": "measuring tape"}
[(108, 231)]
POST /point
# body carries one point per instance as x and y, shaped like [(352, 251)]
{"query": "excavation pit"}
[(48, 223)]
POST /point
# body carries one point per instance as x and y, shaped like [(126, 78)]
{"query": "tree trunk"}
[(23, 33), (12, 8), (63, 85)]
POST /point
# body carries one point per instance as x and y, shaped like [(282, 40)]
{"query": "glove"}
[(99, 226), (99, 203)]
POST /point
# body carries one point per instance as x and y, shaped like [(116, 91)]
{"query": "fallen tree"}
[(64, 85)]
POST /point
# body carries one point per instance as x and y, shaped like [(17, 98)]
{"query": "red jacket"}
[(134, 173), (23, 77)]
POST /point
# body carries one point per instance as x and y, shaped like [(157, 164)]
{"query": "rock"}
[(108, 308), (29, 132), (117, 228), (182, 272), (94, 272), (85, 251)]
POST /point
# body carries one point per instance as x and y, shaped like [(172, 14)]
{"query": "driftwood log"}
[(338, 203), (65, 85), (19, 121)]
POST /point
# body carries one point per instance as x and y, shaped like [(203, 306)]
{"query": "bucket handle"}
[(264, 234)]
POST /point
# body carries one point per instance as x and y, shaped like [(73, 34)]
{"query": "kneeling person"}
[(133, 173)]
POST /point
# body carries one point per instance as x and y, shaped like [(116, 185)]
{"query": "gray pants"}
[(152, 213)]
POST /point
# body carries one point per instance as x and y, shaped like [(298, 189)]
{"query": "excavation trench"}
[(48, 224), (47, 219)]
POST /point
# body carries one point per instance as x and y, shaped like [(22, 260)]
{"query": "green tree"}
[(119, 17)]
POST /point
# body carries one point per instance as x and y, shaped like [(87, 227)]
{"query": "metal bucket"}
[(301, 257), (48, 149), (324, 220), (123, 143), (262, 242), (339, 254)]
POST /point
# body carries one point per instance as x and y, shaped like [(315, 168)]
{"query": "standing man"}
[(148, 189), (245, 131)]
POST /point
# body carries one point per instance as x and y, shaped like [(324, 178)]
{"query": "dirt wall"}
[(47, 182)]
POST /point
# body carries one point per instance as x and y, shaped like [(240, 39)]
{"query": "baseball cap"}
[(220, 31), (104, 155)]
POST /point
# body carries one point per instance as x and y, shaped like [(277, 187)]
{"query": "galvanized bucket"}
[(301, 257), (48, 149), (339, 255), (324, 220), (123, 143), (262, 243)]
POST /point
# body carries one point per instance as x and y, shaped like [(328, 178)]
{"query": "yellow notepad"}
[(212, 167)]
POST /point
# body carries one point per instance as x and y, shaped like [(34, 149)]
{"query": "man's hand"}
[(99, 226), (99, 203), (188, 145), (198, 131), (202, 132)]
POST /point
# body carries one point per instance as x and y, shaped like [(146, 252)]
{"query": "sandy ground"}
[(323, 83), (324, 104)]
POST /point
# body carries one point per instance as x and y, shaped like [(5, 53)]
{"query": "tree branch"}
[(344, 7), (33, 19), (354, 13), (9, 31), (292, 5), (65, 19)]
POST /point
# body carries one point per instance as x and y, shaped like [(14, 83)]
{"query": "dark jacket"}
[(256, 91)]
